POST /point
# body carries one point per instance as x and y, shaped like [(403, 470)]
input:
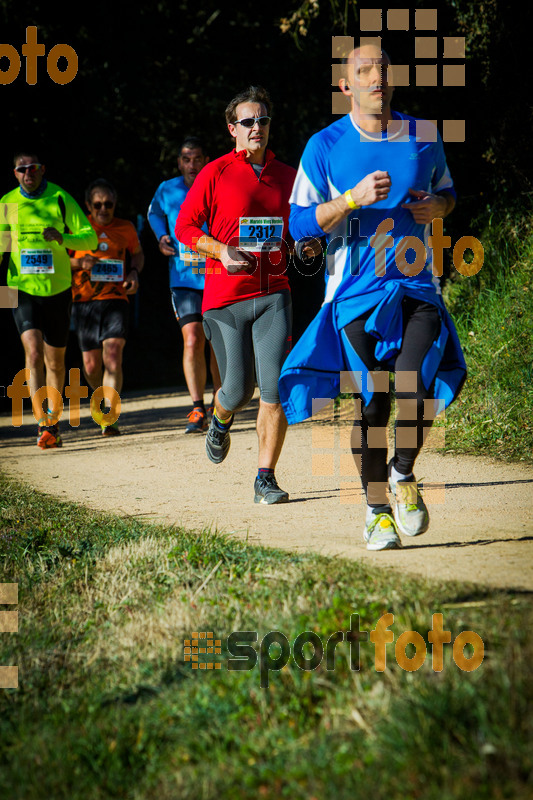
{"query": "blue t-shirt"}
[(335, 160), (186, 268)]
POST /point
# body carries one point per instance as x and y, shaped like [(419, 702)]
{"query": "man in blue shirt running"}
[(186, 273), (374, 181)]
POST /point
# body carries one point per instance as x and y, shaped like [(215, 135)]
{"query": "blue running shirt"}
[(335, 160), (162, 215)]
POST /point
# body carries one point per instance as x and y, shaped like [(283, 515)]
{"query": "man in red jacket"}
[(244, 198)]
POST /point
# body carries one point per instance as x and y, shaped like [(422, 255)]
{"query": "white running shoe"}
[(410, 511), (380, 532)]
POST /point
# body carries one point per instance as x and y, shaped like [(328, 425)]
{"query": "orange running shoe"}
[(48, 436), (197, 421)]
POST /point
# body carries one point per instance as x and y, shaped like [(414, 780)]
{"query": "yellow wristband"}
[(349, 199)]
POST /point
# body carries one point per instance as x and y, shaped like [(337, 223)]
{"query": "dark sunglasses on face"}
[(105, 204), (28, 167), (249, 122)]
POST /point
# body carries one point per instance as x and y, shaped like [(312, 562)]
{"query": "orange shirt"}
[(104, 281)]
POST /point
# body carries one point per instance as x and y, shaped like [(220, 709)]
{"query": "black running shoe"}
[(268, 492), (217, 442)]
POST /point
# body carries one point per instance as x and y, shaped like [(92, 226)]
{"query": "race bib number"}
[(190, 257), (260, 233), (108, 270), (36, 262)]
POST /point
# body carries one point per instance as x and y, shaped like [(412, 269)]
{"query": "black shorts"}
[(50, 315), (187, 304), (97, 320)]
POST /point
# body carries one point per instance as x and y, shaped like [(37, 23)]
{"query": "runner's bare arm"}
[(137, 260), (310, 248), (427, 206), (52, 235), (165, 245), (85, 262), (233, 259), (371, 189), (131, 284)]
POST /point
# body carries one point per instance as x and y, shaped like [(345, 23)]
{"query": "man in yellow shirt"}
[(39, 268)]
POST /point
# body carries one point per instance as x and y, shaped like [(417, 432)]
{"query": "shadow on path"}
[(474, 542)]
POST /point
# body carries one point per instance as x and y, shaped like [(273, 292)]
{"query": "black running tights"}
[(421, 324)]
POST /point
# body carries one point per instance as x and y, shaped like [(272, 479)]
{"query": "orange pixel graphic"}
[(9, 623), (428, 48), (334, 438), (202, 643)]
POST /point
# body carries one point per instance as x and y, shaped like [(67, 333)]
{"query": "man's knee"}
[(270, 396), (54, 358), (112, 354), (272, 408), (411, 407), (34, 357), (193, 337), (235, 398), (377, 412), (33, 350), (92, 363)]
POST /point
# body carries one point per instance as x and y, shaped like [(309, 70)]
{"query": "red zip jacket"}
[(224, 191)]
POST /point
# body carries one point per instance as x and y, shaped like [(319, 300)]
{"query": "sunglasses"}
[(105, 204), (249, 122), (28, 167)]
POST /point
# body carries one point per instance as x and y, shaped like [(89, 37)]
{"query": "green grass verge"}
[(107, 707), (493, 311)]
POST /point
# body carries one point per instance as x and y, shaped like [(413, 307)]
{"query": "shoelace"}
[(408, 495), (216, 435), (270, 480), (377, 519)]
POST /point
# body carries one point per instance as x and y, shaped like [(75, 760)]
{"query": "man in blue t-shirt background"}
[(186, 275)]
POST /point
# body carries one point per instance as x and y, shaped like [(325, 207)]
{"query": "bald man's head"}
[(365, 80)]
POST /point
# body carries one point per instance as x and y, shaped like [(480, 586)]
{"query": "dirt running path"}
[(482, 525)]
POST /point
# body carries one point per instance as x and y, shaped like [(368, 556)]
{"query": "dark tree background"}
[(149, 75)]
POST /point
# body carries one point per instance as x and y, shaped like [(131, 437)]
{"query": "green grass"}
[(493, 312), (107, 707)]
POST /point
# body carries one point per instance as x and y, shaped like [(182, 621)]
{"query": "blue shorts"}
[(187, 304)]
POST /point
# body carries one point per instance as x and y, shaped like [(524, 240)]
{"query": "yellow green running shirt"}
[(36, 266)]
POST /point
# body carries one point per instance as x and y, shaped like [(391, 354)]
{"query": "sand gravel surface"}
[(481, 521)]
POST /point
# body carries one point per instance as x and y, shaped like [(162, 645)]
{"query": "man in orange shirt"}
[(100, 288)]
